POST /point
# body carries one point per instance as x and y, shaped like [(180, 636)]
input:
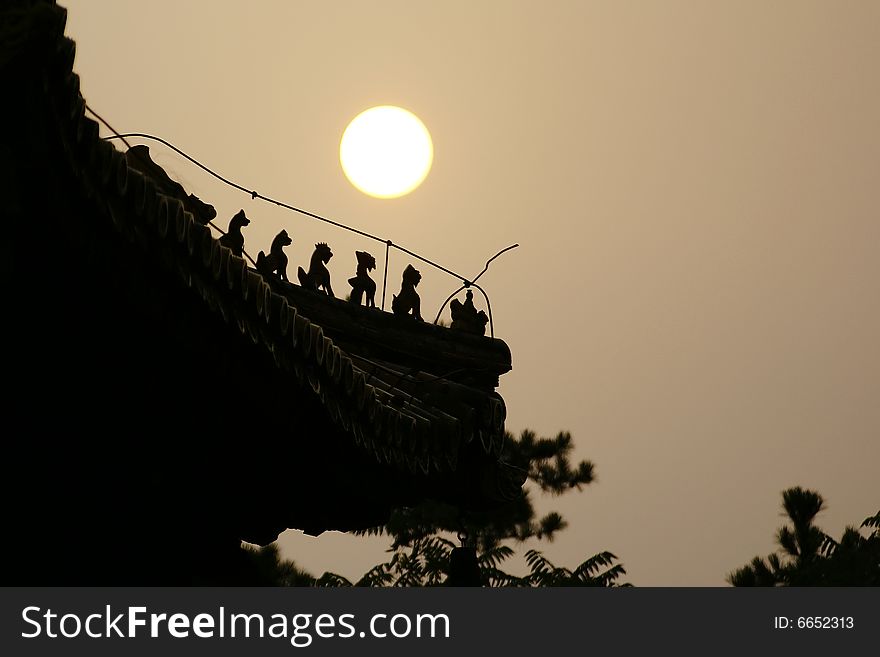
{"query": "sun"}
[(386, 151)]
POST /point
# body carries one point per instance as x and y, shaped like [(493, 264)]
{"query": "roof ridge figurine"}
[(233, 239), (408, 299), (318, 275), (361, 284), (465, 316), (276, 261)]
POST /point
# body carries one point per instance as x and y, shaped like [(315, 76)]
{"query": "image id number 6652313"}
[(814, 623)]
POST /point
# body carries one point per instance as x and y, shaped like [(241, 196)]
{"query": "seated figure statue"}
[(362, 286), (407, 300), (465, 316)]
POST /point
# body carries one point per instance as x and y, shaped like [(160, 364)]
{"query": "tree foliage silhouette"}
[(807, 556), (422, 546), (269, 569), (421, 543)]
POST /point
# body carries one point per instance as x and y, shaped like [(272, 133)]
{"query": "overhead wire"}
[(466, 283)]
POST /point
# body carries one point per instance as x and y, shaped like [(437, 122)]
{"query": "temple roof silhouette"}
[(165, 390)]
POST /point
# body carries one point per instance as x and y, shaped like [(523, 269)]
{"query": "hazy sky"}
[(694, 186)]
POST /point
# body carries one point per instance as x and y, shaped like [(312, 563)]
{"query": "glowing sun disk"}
[(386, 151)]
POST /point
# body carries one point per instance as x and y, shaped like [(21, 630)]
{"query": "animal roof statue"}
[(318, 275), (361, 284), (276, 262), (407, 300), (233, 238)]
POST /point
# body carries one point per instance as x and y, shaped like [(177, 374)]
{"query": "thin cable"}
[(473, 283), (117, 135), (448, 299), (107, 125), (486, 268), (253, 194), (256, 195), (488, 308), (385, 277)]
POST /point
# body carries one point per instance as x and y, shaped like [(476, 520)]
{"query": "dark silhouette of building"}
[(164, 401)]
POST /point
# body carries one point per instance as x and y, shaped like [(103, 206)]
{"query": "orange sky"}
[(694, 187)]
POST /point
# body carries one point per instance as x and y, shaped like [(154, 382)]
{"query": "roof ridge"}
[(145, 209)]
